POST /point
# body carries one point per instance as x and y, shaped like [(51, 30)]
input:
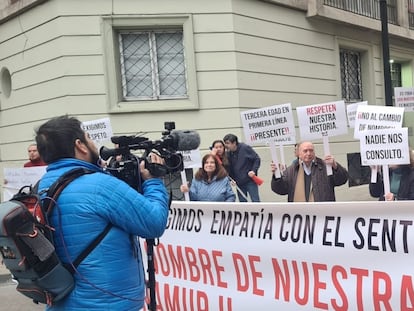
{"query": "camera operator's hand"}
[(154, 159)]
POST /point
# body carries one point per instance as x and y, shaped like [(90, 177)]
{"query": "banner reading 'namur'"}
[(287, 256)]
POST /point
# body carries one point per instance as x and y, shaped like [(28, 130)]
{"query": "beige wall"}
[(248, 54)]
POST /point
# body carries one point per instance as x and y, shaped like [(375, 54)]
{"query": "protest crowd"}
[(223, 202)]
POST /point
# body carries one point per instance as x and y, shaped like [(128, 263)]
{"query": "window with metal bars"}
[(396, 78), (152, 64), (351, 81)]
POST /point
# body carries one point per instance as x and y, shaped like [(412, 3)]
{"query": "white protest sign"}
[(371, 117), (191, 158), (322, 121), (404, 97), (266, 124), (351, 110), (99, 130), (16, 178), (389, 146), (328, 119)]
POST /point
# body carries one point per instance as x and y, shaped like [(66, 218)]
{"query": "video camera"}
[(126, 167)]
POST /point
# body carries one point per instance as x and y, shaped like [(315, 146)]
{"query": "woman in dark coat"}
[(401, 183)]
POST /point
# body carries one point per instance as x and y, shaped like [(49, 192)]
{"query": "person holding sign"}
[(306, 180), (401, 183), (244, 163), (210, 183)]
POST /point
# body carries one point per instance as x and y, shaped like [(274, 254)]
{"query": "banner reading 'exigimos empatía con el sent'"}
[(287, 256)]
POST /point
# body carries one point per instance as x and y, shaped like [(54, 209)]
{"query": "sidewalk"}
[(4, 274)]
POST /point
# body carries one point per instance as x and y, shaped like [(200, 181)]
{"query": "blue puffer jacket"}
[(218, 190), (115, 266)]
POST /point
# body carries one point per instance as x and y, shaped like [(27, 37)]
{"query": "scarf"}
[(300, 193)]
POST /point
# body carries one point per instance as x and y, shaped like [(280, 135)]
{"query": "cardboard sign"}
[(266, 124), (99, 130), (385, 147), (371, 117), (404, 97), (351, 111), (316, 121), (191, 158)]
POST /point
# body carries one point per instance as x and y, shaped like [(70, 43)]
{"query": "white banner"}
[(328, 119), (266, 124), (16, 178), (287, 256)]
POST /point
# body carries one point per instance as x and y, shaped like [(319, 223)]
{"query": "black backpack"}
[(26, 243)]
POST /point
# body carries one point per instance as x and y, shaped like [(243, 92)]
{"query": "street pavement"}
[(10, 299)]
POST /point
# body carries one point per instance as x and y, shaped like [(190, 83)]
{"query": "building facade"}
[(197, 63)]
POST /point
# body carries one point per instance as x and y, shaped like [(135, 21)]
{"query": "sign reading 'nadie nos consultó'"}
[(385, 147)]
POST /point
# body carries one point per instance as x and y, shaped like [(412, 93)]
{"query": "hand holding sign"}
[(322, 121), (385, 147), (272, 125)]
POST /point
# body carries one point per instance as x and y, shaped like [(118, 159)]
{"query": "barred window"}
[(396, 77), (351, 81), (152, 65)]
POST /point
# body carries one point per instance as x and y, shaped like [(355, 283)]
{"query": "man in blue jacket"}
[(244, 163), (112, 276)]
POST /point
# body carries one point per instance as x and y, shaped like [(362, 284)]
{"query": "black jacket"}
[(242, 161), (406, 190)]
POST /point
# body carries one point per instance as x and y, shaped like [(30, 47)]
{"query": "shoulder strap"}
[(72, 266), (57, 187), (52, 194)]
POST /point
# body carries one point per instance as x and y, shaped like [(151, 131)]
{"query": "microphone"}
[(185, 140)]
